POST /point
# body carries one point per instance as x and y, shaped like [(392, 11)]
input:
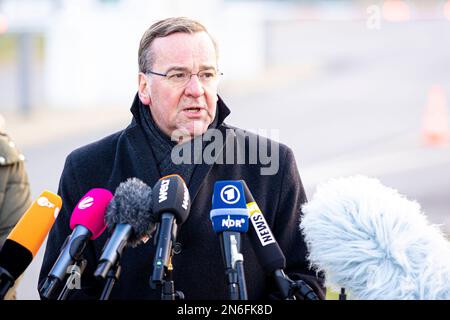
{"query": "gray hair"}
[(164, 28)]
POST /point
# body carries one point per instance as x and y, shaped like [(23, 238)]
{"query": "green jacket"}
[(15, 195)]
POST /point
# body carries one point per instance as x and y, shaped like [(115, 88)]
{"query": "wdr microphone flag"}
[(229, 211)]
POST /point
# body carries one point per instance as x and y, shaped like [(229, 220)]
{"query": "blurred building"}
[(89, 47), (70, 54)]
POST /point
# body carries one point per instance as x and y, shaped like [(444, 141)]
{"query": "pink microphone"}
[(90, 211), (87, 223)]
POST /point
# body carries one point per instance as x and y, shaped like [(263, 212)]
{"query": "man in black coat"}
[(175, 108)]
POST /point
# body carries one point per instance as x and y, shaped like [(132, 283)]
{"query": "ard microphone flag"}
[(229, 217), (229, 209)]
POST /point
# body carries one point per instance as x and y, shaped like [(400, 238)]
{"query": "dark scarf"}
[(162, 145)]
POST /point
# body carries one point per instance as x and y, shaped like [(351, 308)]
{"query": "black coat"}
[(198, 270)]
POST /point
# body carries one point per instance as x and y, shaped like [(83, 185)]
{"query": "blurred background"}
[(351, 86)]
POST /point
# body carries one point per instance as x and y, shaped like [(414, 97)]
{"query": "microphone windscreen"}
[(90, 211), (35, 224), (26, 238), (132, 204), (375, 242)]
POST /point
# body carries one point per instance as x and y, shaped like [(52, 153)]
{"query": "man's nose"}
[(194, 87)]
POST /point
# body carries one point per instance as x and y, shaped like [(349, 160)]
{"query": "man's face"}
[(188, 108)]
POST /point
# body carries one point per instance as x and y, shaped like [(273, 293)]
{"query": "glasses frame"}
[(219, 73)]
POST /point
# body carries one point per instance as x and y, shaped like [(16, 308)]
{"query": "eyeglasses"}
[(180, 78)]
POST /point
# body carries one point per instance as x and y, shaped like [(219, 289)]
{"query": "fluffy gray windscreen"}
[(132, 204)]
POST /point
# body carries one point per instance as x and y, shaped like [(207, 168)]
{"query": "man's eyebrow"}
[(207, 67), (176, 68), (184, 69)]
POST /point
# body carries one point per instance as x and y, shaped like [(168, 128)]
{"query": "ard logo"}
[(230, 194)]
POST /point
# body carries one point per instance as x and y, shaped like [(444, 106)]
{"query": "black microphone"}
[(269, 253), (129, 215), (171, 206)]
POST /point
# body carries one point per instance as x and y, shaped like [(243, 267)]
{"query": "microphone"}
[(375, 242), (26, 238), (87, 222), (229, 216), (171, 206), (269, 253), (129, 215)]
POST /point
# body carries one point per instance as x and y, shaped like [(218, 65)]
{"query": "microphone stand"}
[(167, 286), (162, 274), (237, 262), (342, 295), (6, 282), (111, 278), (75, 274), (293, 290), (234, 271)]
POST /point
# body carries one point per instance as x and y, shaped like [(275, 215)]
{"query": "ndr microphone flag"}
[(229, 209)]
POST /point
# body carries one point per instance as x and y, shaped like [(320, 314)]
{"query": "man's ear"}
[(144, 89)]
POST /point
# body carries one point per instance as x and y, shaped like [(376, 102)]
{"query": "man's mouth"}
[(193, 110)]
